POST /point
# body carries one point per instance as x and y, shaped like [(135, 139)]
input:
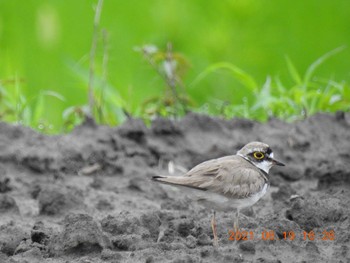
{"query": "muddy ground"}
[(87, 196)]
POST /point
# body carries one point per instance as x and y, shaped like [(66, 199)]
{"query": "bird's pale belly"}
[(222, 203)]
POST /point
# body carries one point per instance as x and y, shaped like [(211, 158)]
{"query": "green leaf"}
[(239, 74), (54, 94), (293, 71), (312, 68), (264, 98)]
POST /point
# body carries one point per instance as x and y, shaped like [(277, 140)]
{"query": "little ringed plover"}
[(229, 183)]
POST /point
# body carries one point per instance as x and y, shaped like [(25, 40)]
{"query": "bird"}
[(228, 183)]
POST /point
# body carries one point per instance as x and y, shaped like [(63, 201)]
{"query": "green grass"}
[(307, 95), (227, 58), (16, 107)]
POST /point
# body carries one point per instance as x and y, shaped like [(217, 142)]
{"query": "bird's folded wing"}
[(228, 176), (238, 183)]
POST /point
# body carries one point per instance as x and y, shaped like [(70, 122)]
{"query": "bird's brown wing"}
[(231, 176)]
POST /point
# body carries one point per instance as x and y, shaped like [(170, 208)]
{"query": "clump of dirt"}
[(87, 196), (80, 235)]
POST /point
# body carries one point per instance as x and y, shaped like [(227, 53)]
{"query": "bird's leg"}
[(235, 222), (213, 227)]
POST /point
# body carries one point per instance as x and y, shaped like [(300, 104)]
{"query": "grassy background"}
[(45, 45)]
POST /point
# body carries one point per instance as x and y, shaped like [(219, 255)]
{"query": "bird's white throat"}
[(264, 165)]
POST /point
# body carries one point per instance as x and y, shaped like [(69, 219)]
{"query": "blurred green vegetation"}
[(230, 58)]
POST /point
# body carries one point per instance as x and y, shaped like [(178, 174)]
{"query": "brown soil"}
[(87, 196)]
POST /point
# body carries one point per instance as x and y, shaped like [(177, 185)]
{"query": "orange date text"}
[(285, 235)]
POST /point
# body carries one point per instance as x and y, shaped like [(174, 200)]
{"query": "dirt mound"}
[(87, 196)]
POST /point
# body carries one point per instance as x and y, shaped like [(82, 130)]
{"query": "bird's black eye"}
[(258, 155)]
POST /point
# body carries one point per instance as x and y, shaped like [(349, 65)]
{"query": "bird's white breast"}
[(222, 203), (256, 197)]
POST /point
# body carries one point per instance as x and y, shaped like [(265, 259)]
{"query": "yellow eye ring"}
[(258, 155)]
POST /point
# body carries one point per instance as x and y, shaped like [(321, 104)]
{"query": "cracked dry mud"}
[(87, 196)]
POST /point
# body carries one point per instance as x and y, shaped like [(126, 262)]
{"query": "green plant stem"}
[(104, 73), (170, 79), (91, 97)]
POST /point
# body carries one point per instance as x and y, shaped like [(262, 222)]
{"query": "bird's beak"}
[(275, 162)]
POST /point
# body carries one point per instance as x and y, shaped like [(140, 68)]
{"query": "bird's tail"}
[(178, 181), (165, 179)]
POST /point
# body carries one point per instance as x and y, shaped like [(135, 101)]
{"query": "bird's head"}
[(259, 154)]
